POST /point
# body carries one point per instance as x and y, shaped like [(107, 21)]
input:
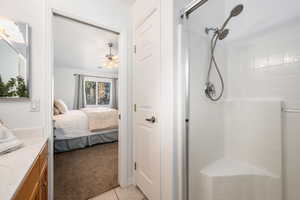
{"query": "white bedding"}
[(75, 119), (76, 123), (101, 118)]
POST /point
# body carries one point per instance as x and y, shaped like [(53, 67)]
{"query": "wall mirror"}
[(14, 60)]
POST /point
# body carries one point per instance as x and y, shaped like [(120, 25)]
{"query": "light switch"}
[(35, 105)]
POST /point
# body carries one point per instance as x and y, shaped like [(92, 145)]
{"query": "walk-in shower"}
[(233, 149), (218, 34)]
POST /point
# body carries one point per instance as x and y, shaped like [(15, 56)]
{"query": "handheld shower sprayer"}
[(218, 34)]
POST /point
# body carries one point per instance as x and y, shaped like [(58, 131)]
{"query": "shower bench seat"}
[(227, 179)]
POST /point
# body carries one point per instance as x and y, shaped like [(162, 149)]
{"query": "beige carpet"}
[(85, 173)]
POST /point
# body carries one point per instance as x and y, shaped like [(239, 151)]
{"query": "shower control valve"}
[(208, 29), (210, 90)]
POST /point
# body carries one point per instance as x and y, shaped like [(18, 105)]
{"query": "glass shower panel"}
[(205, 137)]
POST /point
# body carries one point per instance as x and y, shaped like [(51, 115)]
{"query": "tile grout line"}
[(116, 194)]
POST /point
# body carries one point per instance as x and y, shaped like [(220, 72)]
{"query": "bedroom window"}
[(90, 92), (98, 92), (104, 89)]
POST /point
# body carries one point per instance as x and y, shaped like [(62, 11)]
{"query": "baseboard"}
[(131, 181)]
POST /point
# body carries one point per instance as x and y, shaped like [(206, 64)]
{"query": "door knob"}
[(152, 119)]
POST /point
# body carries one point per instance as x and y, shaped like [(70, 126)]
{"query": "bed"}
[(78, 129)]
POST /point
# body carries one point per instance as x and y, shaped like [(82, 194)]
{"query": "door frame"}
[(124, 166)]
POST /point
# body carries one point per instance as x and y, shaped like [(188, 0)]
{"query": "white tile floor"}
[(128, 193)]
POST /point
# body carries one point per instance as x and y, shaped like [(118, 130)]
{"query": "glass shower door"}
[(234, 146), (205, 138)]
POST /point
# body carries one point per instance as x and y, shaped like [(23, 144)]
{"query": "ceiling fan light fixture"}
[(111, 61), (10, 31)]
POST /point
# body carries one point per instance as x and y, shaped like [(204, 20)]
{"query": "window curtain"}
[(79, 92), (115, 93)]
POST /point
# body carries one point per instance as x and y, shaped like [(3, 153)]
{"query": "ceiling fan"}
[(111, 60)]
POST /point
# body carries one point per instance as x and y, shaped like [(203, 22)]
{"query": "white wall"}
[(267, 33), (17, 114), (248, 122), (64, 83), (86, 46)]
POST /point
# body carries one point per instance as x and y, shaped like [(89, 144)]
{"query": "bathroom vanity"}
[(24, 172), (35, 184)]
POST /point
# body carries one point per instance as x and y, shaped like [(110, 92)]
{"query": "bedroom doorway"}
[(89, 157)]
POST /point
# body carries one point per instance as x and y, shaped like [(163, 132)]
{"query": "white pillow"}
[(61, 106), (56, 111)]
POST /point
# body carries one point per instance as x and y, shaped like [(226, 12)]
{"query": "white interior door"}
[(147, 101)]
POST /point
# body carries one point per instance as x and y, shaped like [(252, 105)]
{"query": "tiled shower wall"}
[(264, 61)]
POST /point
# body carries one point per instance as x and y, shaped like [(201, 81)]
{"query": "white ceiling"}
[(81, 46)]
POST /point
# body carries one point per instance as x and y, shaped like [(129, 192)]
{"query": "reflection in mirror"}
[(14, 59)]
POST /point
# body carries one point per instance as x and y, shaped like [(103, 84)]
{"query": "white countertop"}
[(15, 165)]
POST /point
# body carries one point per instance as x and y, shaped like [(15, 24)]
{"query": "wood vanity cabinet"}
[(35, 184)]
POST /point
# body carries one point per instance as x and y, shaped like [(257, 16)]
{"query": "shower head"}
[(237, 10), (219, 34), (234, 12), (223, 34)]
